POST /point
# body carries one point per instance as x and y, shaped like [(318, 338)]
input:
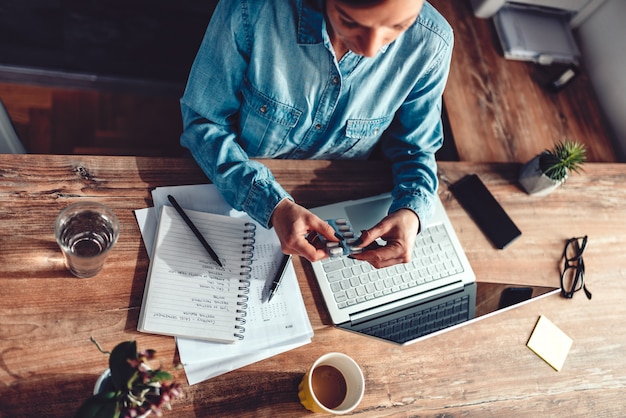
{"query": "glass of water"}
[(86, 232)]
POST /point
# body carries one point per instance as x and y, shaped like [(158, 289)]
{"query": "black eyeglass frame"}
[(575, 262)]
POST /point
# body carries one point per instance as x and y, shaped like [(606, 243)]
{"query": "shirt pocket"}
[(265, 123), (361, 135)]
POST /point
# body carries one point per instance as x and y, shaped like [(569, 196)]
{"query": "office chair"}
[(9, 141)]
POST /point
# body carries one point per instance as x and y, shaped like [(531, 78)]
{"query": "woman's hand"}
[(293, 223), (399, 229)]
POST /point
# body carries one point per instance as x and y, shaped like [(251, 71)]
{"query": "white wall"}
[(603, 44)]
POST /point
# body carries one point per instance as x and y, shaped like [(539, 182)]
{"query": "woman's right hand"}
[(293, 224)]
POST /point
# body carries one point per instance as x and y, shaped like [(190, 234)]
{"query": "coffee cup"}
[(334, 385)]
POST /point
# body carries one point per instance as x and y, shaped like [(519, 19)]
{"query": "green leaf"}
[(161, 376), (564, 157), (99, 406), (121, 371)]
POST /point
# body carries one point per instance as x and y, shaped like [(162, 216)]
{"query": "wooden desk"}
[(498, 109), (48, 365)]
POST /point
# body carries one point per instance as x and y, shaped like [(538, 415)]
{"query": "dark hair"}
[(358, 3)]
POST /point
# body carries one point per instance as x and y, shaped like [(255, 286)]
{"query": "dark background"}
[(152, 40)]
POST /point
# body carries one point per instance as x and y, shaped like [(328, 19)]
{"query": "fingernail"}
[(359, 240)]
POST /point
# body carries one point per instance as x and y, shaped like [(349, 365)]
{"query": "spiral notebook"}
[(186, 293), (271, 328)]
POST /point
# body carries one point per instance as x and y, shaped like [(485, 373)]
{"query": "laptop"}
[(403, 303)]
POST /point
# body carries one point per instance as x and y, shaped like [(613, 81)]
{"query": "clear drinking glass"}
[(86, 232)]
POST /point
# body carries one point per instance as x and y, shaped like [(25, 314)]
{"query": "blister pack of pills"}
[(347, 239)]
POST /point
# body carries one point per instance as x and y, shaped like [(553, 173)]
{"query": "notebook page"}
[(187, 293), (271, 328)]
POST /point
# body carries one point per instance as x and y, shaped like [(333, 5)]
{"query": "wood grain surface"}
[(498, 108), (48, 365)]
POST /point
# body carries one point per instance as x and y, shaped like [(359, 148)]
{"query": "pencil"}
[(195, 230)]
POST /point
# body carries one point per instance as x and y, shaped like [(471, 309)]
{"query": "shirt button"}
[(263, 109), (318, 126), (335, 80)]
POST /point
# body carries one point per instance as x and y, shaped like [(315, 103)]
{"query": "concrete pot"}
[(534, 182)]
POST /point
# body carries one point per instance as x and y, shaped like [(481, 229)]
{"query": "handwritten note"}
[(187, 294), (271, 328)]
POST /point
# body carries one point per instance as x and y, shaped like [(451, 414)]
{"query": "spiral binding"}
[(246, 267)]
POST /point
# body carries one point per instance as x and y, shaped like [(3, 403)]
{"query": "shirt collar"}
[(310, 21)]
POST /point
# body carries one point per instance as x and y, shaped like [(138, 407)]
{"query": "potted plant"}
[(131, 387), (550, 169)]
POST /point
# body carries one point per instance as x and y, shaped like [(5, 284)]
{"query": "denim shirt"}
[(266, 83)]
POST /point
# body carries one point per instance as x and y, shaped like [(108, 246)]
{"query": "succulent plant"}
[(565, 157)]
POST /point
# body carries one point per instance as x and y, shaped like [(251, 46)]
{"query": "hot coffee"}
[(329, 386), (334, 384)]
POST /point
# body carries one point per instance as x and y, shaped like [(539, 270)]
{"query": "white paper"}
[(271, 328), (186, 292)]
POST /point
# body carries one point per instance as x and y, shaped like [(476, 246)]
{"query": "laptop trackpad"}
[(366, 215)]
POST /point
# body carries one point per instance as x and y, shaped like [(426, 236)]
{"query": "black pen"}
[(279, 275), (193, 228)]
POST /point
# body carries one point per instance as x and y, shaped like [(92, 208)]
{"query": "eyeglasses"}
[(573, 275)]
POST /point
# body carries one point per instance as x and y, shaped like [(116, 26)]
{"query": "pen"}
[(193, 228), (279, 275)]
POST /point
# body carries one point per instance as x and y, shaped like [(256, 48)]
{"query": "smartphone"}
[(485, 210), (513, 295)]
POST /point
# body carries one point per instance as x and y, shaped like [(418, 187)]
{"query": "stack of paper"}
[(271, 328)]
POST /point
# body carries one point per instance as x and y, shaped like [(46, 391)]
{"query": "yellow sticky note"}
[(550, 343)]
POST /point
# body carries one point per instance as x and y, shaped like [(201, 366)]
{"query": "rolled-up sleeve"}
[(210, 107), (415, 136)]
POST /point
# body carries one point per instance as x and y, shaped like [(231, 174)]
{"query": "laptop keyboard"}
[(418, 324), (354, 282)]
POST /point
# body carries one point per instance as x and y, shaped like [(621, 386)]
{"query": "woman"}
[(320, 79)]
